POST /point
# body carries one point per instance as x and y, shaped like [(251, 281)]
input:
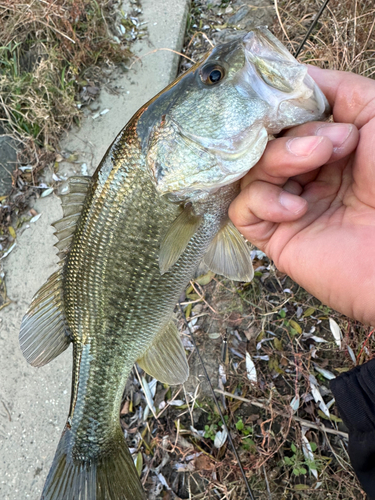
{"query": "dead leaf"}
[(251, 333), (138, 462), (309, 311), (278, 344), (301, 487), (203, 462), (253, 417), (342, 369), (250, 369), (125, 408), (296, 326), (205, 278), (336, 332), (220, 438)]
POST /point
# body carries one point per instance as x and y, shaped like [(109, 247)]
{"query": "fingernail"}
[(336, 132), (292, 202), (303, 146)]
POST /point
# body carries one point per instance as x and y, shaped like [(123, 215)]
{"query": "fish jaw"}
[(279, 79)]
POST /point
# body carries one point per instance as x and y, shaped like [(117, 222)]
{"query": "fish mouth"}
[(230, 148), (272, 61), (281, 81)]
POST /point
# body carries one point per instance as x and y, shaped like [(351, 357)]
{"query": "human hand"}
[(309, 203)]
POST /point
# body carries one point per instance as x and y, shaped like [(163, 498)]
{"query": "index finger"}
[(352, 97)]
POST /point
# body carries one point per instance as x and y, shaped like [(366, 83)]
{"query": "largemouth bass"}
[(133, 235)]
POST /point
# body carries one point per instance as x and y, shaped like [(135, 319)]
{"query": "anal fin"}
[(165, 358), (44, 332), (177, 238), (229, 255)]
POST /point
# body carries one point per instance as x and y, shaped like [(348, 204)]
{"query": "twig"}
[(53, 28), (277, 309), (204, 36), (157, 50), (8, 412), (193, 400), (281, 23), (364, 344), (267, 484), (301, 421), (177, 433), (201, 296), (343, 464), (168, 404), (191, 302)]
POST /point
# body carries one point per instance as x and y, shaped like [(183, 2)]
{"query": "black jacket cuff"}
[(354, 392)]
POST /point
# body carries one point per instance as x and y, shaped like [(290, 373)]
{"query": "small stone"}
[(94, 106)]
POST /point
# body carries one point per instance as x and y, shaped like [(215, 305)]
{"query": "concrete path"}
[(34, 402)]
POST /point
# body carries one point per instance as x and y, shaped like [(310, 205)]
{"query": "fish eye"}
[(212, 74)]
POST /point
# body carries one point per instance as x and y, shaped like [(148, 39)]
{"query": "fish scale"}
[(113, 315), (133, 236)]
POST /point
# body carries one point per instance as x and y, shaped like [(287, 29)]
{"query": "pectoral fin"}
[(165, 359), (177, 238), (229, 255)]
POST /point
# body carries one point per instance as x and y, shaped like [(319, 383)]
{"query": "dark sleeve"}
[(354, 392)]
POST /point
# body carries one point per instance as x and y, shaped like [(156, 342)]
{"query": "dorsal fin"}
[(44, 332), (229, 255), (72, 204)]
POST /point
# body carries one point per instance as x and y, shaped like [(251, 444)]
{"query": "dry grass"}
[(51, 54), (343, 39), (45, 46)]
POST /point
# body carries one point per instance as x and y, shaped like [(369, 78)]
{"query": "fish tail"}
[(109, 476)]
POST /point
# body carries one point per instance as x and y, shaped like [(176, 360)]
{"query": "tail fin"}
[(110, 476)]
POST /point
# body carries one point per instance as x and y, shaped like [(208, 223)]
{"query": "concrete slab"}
[(34, 402)]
